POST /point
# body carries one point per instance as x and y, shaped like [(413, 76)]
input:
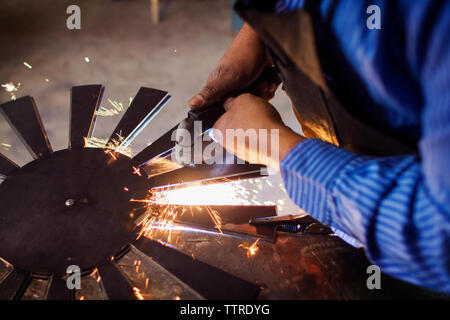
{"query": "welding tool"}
[(292, 223), (209, 115), (166, 145)]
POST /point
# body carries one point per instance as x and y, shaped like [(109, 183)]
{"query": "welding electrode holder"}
[(208, 117), (293, 223)]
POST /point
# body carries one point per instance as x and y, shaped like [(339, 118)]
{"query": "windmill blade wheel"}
[(72, 208)]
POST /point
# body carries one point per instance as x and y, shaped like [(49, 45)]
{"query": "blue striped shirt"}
[(398, 207)]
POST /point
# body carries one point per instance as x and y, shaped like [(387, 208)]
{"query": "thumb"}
[(211, 92)]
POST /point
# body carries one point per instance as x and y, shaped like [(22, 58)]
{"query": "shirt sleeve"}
[(384, 204), (397, 208)]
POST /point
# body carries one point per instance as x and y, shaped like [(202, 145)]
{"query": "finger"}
[(227, 101), (211, 92), (219, 132)]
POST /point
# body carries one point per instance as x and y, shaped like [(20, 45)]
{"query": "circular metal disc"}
[(68, 209)]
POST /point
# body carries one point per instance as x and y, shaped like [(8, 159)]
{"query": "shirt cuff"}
[(310, 171)]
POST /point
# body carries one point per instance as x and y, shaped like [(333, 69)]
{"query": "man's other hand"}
[(246, 112)]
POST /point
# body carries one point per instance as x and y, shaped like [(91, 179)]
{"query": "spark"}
[(137, 171), (82, 298), (47, 80), (159, 220), (251, 249), (95, 275), (146, 283), (160, 165), (112, 155), (5, 146), (5, 263), (165, 205), (87, 59), (226, 193), (94, 142), (141, 200), (177, 298), (126, 189), (110, 147), (11, 88), (137, 293), (117, 107), (29, 66), (245, 192), (137, 264)]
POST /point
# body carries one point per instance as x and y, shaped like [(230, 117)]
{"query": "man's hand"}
[(240, 66), (251, 112)]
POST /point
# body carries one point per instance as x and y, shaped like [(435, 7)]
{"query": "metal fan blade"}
[(205, 172), (24, 118), (85, 101), (6, 165), (116, 286), (37, 288), (151, 280), (144, 107), (208, 281), (14, 285), (91, 286), (59, 290), (234, 220), (160, 147), (200, 215)]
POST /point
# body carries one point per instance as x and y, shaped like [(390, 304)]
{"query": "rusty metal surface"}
[(302, 266), (13, 286), (211, 282), (152, 280), (37, 289)]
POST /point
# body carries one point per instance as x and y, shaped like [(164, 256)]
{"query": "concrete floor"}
[(125, 51)]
